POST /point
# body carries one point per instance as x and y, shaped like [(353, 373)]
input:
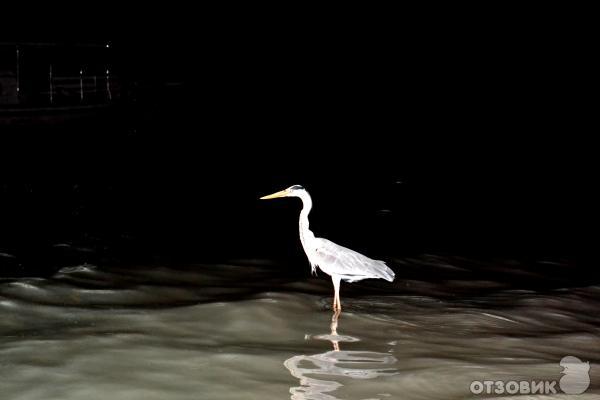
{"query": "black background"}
[(411, 140)]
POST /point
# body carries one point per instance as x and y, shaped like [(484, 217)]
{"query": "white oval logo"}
[(576, 378)]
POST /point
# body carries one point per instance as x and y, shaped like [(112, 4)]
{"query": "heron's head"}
[(292, 191)]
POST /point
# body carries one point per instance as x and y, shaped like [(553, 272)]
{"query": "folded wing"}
[(348, 264)]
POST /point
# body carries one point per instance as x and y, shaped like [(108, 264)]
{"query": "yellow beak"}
[(282, 193)]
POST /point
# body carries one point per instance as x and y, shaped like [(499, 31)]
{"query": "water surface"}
[(245, 330)]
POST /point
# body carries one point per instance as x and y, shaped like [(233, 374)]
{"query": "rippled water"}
[(247, 331)]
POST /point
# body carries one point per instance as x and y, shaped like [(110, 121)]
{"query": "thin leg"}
[(337, 304), (334, 325), (336, 315)]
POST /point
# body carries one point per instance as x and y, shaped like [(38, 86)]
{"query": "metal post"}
[(107, 60), (108, 85), (81, 84), (18, 73), (51, 85)]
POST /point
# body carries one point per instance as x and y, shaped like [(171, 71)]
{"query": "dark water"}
[(247, 330)]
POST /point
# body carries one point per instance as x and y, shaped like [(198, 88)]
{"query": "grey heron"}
[(337, 261)]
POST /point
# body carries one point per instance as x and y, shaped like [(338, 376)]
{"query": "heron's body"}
[(337, 261)]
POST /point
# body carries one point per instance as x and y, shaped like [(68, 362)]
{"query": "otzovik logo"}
[(575, 380), (576, 375)]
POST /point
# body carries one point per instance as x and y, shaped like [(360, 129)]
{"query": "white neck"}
[(305, 233)]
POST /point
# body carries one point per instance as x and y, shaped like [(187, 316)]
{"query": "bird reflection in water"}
[(336, 363)]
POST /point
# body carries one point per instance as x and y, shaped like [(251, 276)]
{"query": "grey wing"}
[(348, 264)]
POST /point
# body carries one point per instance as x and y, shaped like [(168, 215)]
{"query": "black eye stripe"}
[(296, 187)]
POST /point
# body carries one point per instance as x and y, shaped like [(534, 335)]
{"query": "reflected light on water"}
[(336, 363)]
